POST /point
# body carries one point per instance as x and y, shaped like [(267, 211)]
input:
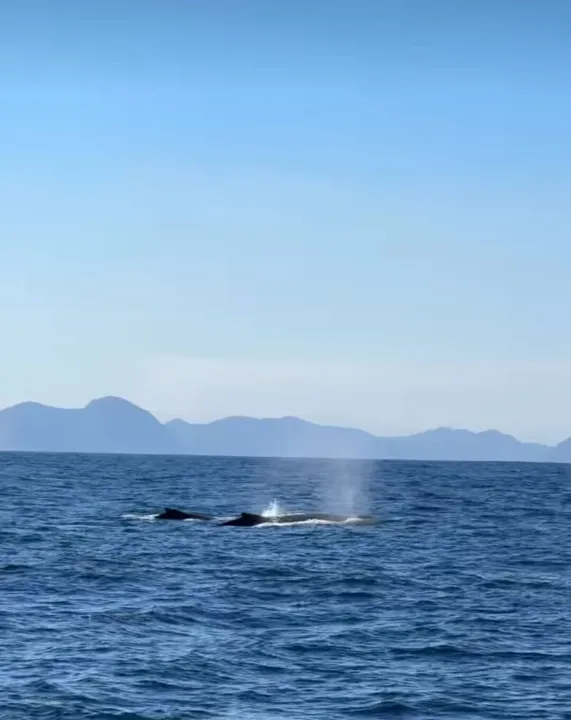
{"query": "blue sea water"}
[(457, 605)]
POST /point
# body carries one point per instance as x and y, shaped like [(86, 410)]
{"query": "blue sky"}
[(354, 212)]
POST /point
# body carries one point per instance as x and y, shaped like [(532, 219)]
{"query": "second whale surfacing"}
[(251, 519)]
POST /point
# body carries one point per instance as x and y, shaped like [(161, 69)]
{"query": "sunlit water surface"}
[(456, 605)]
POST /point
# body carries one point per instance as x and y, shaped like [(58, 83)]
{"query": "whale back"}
[(247, 520), (175, 514)]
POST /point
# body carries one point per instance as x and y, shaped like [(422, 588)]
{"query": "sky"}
[(353, 212)]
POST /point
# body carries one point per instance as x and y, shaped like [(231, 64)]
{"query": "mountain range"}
[(114, 425)]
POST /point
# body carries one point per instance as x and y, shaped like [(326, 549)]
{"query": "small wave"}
[(15, 568), (353, 521), (390, 708)]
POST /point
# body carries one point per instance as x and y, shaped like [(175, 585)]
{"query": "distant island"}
[(114, 425)]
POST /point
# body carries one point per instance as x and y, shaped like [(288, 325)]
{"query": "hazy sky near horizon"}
[(356, 212)]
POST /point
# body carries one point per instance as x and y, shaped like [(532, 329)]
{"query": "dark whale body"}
[(174, 514), (250, 519)]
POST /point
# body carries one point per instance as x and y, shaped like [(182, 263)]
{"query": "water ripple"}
[(456, 605)]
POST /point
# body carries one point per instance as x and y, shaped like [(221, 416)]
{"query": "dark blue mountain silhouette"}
[(561, 452), (114, 425), (106, 425), (276, 437), (451, 444), (291, 437)]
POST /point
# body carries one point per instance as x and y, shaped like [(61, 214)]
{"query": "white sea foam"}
[(297, 523), (311, 522)]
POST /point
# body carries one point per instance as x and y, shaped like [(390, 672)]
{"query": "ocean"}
[(456, 605)]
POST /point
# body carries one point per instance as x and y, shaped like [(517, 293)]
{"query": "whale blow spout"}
[(174, 514)]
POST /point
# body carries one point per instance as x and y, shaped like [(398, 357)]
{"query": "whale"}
[(174, 514), (246, 519)]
